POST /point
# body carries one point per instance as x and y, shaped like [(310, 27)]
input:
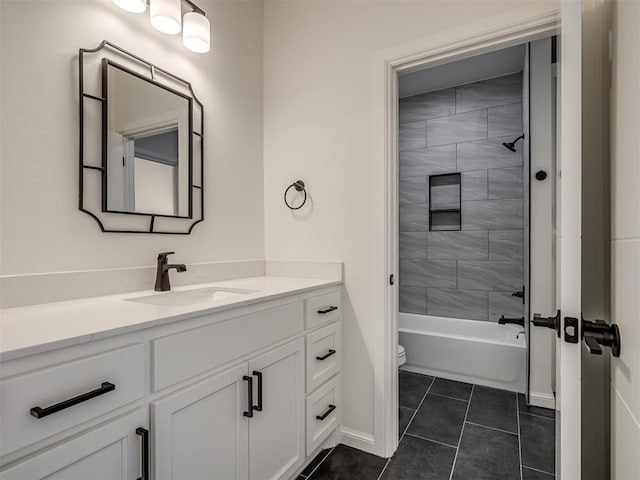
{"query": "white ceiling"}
[(481, 67)]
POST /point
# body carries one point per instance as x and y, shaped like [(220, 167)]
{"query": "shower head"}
[(512, 145)]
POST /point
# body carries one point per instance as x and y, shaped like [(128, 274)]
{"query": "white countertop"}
[(38, 328)]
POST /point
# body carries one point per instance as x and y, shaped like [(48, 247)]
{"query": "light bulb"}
[(134, 6), (166, 16), (196, 34)]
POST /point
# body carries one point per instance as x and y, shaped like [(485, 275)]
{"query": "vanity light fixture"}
[(196, 32), (133, 6), (166, 16)]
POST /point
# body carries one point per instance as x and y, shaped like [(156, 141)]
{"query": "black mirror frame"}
[(133, 222)]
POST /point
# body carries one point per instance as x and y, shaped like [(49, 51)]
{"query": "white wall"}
[(318, 97), (42, 229)]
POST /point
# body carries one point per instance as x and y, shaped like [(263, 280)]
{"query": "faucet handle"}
[(163, 255)]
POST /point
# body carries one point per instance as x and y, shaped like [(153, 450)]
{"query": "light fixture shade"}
[(166, 15), (134, 6), (196, 32)]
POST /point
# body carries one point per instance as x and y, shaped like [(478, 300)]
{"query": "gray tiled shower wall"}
[(473, 272)]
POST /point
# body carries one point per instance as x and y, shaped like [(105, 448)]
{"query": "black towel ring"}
[(299, 186)]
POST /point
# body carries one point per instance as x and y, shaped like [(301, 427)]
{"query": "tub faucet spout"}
[(516, 321)]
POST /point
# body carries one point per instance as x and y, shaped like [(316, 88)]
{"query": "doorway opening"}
[(474, 177)]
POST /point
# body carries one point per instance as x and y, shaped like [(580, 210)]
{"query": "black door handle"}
[(249, 412), (549, 322), (258, 407), (600, 333), (593, 346), (327, 413), (327, 310), (326, 355), (144, 433), (43, 412)]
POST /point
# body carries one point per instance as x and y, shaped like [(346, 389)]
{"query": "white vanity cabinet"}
[(276, 431), (245, 422), (323, 354), (201, 432), (246, 393), (115, 450)]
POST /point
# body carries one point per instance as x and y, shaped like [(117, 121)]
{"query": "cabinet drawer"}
[(323, 413), (58, 392), (322, 309), (184, 355), (323, 355)]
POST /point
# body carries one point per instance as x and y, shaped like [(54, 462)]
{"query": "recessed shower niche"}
[(445, 197)]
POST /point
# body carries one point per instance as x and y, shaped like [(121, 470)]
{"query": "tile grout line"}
[(538, 416), (475, 110), (450, 398), (488, 107), (519, 439), (433, 379), (477, 140), (384, 468), (430, 440), (455, 458), (321, 462), (491, 428), (538, 470)]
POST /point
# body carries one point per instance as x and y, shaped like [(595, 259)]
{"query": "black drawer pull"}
[(327, 310), (327, 413), (43, 412), (326, 355), (144, 433), (258, 407), (249, 412)]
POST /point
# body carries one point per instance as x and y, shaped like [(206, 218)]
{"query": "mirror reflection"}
[(147, 152)]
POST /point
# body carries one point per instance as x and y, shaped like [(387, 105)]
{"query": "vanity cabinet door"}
[(276, 431), (201, 432), (112, 451)]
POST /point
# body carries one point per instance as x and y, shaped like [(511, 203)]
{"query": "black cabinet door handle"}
[(326, 355), (39, 412), (144, 433), (258, 407), (327, 413), (249, 412), (327, 310)]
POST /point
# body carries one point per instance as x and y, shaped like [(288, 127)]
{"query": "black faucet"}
[(162, 272), (516, 321)]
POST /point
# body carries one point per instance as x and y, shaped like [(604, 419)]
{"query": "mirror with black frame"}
[(147, 145)]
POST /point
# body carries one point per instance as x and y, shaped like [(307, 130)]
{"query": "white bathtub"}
[(484, 353)]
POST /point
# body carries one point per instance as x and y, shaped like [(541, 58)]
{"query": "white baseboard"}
[(360, 440), (544, 400), (331, 442)]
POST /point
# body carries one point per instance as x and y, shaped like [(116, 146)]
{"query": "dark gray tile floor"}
[(453, 431)]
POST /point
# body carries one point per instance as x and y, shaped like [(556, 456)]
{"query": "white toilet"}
[(402, 356)]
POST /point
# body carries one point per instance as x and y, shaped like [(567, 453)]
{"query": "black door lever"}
[(549, 322), (600, 333)]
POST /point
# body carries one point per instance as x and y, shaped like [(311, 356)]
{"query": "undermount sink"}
[(190, 297)]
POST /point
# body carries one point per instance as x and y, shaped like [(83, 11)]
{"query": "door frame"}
[(451, 46)]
